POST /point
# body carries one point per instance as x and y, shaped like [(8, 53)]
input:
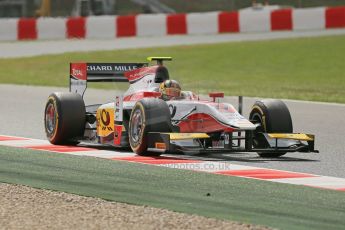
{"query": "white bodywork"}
[(181, 108)]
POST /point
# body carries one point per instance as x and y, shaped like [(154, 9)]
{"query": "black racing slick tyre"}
[(271, 116), (64, 118), (148, 115)]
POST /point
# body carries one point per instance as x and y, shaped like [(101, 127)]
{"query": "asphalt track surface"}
[(33, 48), (22, 109)]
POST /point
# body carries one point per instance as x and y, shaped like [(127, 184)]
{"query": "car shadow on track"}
[(250, 158), (239, 157), (104, 147)]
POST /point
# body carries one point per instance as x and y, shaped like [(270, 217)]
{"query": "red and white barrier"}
[(108, 27), (151, 25), (102, 27), (228, 22), (254, 20), (309, 19), (335, 17), (202, 23), (8, 29), (51, 28)]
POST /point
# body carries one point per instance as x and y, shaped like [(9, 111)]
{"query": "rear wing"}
[(81, 73)]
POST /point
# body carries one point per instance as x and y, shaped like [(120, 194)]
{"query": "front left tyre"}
[(64, 118), (148, 115)]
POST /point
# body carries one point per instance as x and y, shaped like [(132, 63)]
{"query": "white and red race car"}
[(141, 120)]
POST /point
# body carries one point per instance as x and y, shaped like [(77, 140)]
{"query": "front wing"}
[(196, 143)]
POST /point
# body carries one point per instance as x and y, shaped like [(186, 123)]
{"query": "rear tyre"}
[(64, 118), (148, 115), (272, 116)]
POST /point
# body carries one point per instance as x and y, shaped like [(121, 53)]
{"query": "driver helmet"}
[(170, 89)]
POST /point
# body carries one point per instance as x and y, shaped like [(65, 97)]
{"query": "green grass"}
[(231, 198), (305, 68)]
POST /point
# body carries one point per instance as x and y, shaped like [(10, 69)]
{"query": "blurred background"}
[(63, 8)]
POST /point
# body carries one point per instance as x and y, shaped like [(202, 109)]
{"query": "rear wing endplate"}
[(81, 73)]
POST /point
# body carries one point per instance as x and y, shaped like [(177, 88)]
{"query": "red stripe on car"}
[(203, 123), (140, 95), (137, 74), (78, 70)]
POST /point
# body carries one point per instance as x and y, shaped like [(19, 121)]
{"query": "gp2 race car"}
[(150, 126)]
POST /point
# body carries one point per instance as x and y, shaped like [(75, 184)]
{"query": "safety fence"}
[(144, 25)]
